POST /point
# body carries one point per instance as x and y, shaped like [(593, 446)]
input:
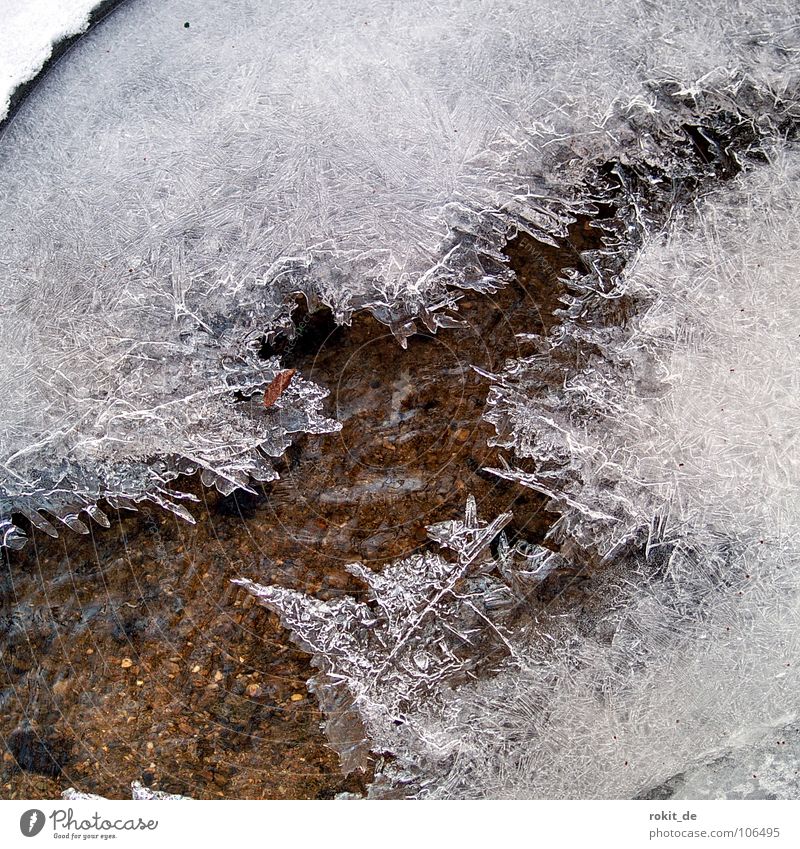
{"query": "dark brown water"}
[(128, 655)]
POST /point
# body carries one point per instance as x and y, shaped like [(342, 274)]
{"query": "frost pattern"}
[(764, 768), (670, 449), (164, 202), (138, 793), (426, 627), (687, 411)]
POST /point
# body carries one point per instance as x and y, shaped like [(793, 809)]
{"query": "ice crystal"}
[(763, 766), (669, 449), (681, 423), (426, 625), (164, 204), (165, 201), (138, 793)]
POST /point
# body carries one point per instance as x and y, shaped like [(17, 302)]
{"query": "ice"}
[(689, 412), (171, 189), (139, 793), (765, 768), (427, 625), (670, 450)]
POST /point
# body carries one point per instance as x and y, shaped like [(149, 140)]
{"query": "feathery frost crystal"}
[(165, 203), (169, 191), (671, 453)]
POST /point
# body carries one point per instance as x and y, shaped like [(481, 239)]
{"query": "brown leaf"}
[(278, 385)]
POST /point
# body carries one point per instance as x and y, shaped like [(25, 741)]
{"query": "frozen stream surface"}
[(488, 311)]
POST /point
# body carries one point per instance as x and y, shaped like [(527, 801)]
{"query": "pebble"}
[(61, 688), (337, 579), (254, 690), (127, 663), (297, 697)]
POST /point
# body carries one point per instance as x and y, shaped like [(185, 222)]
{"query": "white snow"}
[(28, 31)]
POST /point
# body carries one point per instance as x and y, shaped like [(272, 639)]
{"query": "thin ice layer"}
[(687, 410), (762, 768), (670, 450), (171, 188), (421, 632)]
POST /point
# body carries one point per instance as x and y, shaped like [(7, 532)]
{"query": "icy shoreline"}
[(31, 31)]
